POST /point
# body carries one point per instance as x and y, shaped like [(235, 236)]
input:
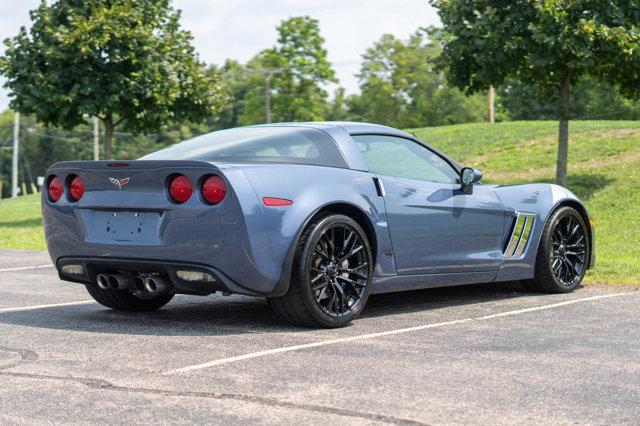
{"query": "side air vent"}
[(520, 234)]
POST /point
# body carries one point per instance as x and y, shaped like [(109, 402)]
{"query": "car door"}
[(435, 227)]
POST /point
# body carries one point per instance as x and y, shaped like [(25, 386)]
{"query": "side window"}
[(394, 156)]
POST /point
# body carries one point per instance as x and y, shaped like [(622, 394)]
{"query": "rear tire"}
[(563, 253), (123, 300), (330, 277)]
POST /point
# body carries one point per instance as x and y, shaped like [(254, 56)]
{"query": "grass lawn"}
[(21, 223), (604, 169)]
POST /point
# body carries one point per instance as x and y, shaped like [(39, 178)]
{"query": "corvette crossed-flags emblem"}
[(119, 182)]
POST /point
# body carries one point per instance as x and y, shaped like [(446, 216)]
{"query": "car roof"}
[(351, 127), (354, 128)]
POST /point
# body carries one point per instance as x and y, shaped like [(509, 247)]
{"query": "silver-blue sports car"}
[(313, 216)]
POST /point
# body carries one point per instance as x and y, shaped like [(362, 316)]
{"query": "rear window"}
[(297, 145)]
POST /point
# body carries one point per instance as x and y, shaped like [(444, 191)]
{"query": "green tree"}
[(381, 99), (400, 86), (337, 109), (235, 82), (124, 61), (288, 79), (547, 44), (259, 99)]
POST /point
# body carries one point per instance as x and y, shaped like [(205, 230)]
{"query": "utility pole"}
[(16, 148), (492, 105), (96, 139)]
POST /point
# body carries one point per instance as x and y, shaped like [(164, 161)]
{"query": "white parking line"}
[(53, 305), (383, 334), (22, 268)]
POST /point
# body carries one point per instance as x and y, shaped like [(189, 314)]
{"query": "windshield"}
[(277, 144)]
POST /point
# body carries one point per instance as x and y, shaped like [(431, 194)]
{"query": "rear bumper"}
[(100, 265), (139, 224)]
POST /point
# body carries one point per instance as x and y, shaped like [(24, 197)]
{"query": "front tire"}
[(563, 253), (124, 300), (331, 275)]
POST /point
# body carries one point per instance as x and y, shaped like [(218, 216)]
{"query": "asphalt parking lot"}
[(476, 354)]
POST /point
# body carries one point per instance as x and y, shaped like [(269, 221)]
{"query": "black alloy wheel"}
[(563, 254), (339, 270), (568, 250), (331, 274)]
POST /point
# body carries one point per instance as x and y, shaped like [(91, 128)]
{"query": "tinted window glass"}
[(297, 145), (393, 156)]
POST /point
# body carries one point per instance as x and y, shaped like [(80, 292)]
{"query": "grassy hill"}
[(604, 171)]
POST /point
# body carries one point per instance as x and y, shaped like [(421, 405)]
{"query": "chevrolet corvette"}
[(314, 217)]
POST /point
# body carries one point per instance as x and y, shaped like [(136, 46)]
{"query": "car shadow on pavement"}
[(197, 316)]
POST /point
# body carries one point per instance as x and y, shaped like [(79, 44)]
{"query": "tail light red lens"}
[(180, 188), (213, 189), (76, 188), (276, 202), (55, 188)]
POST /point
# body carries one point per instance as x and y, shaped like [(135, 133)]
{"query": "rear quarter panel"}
[(312, 188)]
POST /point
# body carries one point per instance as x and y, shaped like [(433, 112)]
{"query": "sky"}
[(238, 29)]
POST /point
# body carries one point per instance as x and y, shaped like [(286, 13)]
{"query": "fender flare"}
[(282, 287)]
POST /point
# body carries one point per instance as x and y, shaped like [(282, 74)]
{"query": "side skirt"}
[(417, 282)]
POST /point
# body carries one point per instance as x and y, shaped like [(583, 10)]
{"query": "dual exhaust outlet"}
[(152, 284)]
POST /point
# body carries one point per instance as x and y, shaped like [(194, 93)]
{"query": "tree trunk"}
[(108, 136), (492, 105), (563, 134)]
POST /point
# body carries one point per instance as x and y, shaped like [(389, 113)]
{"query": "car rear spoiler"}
[(129, 164)]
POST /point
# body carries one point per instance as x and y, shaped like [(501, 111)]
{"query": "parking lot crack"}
[(101, 384), (25, 355)]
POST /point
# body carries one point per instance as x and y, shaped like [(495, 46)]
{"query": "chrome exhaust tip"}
[(103, 281), (138, 283), (119, 282), (156, 284)]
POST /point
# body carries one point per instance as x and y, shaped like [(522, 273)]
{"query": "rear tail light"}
[(213, 189), (180, 188), (76, 188), (55, 188)]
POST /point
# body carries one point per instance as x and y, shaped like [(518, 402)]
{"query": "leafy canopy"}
[(400, 86), (298, 68), (540, 41), (107, 58)]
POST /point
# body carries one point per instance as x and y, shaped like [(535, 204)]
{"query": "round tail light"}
[(213, 189), (180, 188), (76, 188), (55, 188)]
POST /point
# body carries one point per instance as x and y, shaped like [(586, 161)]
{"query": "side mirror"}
[(469, 176)]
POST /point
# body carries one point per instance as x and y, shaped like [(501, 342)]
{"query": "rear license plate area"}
[(122, 226)]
